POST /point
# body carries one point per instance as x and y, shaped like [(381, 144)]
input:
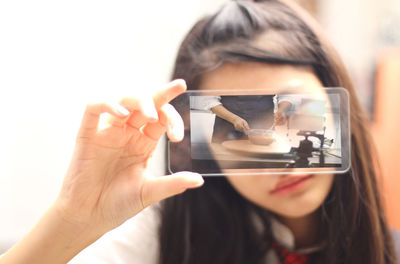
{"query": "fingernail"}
[(150, 112), (121, 111), (176, 131), (200, 182), (179, 81), (182, 82), (197, 179)]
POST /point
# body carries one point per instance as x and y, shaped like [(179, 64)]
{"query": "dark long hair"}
[(214, 224)]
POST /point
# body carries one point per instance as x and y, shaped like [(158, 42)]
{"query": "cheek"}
[(306, 202), (297, 204), (253, 188)]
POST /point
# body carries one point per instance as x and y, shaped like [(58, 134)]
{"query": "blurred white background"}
[(55, 56)]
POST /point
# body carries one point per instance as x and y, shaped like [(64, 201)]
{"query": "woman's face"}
[(289, 196)]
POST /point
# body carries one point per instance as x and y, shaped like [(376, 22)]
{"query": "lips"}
[(289, 184)]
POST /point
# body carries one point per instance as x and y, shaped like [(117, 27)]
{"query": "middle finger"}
[(142, 110), (170, 121)]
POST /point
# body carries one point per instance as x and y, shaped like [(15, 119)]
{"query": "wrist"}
[(235, 119), (77, 222), (63, 217), (54, 239)]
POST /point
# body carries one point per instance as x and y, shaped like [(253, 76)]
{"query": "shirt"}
[(136, 241)]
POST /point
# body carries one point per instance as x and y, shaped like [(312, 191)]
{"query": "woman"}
[(348, 217), (326, 219)]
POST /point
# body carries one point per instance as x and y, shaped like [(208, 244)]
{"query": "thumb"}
[(157, 189)]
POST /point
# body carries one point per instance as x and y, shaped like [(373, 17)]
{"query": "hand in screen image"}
[(285, 105), (235, 115), (281, 115), (238, 123)]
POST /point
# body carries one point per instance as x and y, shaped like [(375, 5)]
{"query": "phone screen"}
[(247, 132)]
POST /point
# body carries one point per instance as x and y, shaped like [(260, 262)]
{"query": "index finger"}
[(172, 90)]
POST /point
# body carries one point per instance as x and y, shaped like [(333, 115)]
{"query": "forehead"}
[(253, 75)]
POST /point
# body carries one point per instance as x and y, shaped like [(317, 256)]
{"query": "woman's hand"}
[(108, 179)]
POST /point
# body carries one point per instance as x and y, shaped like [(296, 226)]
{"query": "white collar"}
[(284, 236)]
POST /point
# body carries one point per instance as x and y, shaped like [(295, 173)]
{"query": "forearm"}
[(53, 240), (224, 113)]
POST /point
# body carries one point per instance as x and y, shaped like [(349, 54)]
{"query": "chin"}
[(296, 212), (298, 207)]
